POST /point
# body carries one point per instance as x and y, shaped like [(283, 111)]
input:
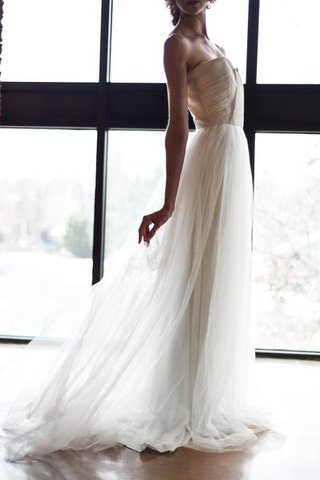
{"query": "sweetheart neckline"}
[(208, 61)]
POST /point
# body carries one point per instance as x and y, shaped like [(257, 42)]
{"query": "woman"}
[(163, 355)]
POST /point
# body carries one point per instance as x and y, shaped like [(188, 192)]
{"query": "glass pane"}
[(139, 31), (136, 163), (51, 41), (289, 39), (46, 223), (286, 238)]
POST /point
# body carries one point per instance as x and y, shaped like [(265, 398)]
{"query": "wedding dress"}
[(161, 352)]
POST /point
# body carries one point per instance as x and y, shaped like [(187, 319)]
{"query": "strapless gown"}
[(160, 353)]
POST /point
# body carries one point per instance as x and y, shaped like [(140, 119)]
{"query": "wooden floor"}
[(292, 388)]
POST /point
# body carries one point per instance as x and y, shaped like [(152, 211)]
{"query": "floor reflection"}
[(64, 465), (122, 463), (293, 391)]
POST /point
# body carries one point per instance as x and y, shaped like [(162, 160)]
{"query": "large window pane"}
[(46, 223), (289, 39), (286, 257), (139, 31), (136, 164), (51, 41)]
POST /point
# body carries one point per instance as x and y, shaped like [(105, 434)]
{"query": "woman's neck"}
[(194, 23)]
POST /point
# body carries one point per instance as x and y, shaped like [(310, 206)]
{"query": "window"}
[(46, 223), (286, 257), (51, 41), (289, 39), (135, 167), (100, 144)]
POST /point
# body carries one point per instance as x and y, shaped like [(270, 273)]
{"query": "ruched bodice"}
[(215, 93)]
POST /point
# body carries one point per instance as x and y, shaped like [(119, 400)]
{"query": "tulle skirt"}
[(160, 352)]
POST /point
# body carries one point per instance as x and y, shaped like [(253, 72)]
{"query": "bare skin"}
[(186, 46)]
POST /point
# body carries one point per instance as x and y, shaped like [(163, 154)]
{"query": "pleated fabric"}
[(160, 352)]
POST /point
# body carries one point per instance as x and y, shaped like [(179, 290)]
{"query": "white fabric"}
[(160, 353)]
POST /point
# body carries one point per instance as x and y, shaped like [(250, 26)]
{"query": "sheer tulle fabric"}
[(160, 352)]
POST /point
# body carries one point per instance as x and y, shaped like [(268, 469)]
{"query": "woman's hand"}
[(157, 218)]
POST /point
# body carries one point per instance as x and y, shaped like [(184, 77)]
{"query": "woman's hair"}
[(175, 12)]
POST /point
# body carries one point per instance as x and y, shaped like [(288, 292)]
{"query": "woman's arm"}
[(175, 64)]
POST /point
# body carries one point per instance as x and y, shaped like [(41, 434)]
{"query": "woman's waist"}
[(208, 124)]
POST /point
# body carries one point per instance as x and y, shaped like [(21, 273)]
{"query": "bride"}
[(162, 354)]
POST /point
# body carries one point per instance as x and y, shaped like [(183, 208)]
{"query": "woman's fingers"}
[(152, 231), (155, 219), (144, 229)]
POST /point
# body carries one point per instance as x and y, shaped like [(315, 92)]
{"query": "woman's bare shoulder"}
[(176, 45), (176, 39)]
